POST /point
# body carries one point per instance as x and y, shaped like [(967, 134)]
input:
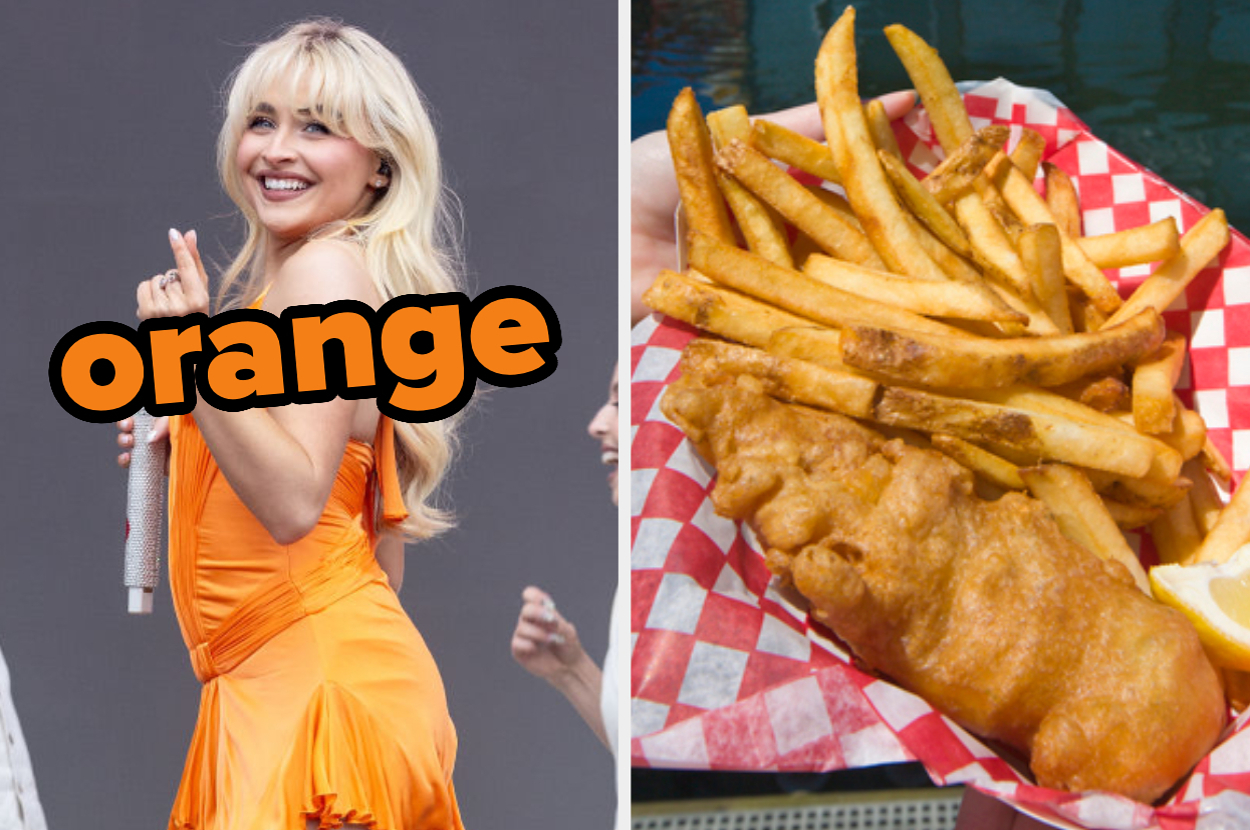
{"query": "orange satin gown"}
[(320, 699)]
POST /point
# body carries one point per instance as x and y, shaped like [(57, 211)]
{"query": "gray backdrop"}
[(111, 111)]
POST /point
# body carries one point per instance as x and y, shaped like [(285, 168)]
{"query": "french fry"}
[(1062, 200), (1216, 463), (691, 149), (1105, 394), (802, 247), (1134, 246), (999, 209), (761, 229), (815, 345), (1164, 469), (991, 248), (1082, 516), (797, 292), (1175, 534), (785, 378), (1204, 496), (1028, 153), (729, 123), (1041, 254), (1200, 244), (1154, 407), (959, 363), (1139, 492), (923, 205), (1189, 433), (1044, 436), (993, 468), (867, 189), (1237, 689), (1131, 516), (823, 224), (1231, 531), (879, 126), (838, 202), (960, 270), (716, 309), (1032, 210), (995, 252), (798, 151), (956, 174), (939, 299), (1039, 323), (1085, 315), (932, 81), (952, 264)]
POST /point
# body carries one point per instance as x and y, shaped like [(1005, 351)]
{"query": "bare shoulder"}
[(323, 271)]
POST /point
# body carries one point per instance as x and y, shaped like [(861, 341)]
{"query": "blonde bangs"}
[(331, 84)]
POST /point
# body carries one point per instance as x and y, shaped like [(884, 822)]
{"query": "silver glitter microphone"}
[(145, 516)]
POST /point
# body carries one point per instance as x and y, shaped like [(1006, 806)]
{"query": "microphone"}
[(145, 516)]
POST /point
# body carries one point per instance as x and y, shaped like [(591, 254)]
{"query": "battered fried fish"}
[(981, 607)]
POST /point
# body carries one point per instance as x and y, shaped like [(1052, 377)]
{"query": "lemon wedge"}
[(1216, 598)]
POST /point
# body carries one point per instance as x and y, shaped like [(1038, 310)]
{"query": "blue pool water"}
[(1167, 83)]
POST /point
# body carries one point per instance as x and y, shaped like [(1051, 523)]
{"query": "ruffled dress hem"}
[(340, 770)]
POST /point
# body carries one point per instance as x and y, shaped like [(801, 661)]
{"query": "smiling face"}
[(604, 429), (297, 173)]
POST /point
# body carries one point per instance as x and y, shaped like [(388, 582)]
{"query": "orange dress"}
[(320, 699)]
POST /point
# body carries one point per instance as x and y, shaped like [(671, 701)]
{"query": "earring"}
[(379, 183)]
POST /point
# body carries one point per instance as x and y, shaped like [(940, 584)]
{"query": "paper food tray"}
[(727, 672)]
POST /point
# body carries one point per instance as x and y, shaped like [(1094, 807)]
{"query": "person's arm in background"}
[(653, 193), (546, 645)]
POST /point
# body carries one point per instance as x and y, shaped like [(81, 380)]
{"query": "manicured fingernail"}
[(191, 236), (555, 638), (174, 236), (152, 438)]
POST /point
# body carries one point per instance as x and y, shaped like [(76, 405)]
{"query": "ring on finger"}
[(168, 278)]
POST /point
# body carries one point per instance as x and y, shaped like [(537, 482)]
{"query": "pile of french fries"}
[(964, 308)]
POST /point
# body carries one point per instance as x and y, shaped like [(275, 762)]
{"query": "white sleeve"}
[(19, 800), (613, 668)]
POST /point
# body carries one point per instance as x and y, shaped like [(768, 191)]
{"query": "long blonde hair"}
[(358, 88)]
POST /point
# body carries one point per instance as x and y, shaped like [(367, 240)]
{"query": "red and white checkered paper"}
[(728, 671)]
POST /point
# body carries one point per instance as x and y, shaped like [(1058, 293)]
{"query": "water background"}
[(1164, 82)]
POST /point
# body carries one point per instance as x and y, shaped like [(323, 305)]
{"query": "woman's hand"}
[(544, 643), (653, 193), (180, 290), (126, 438)]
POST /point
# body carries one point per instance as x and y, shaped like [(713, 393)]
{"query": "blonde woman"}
[(320, 703)]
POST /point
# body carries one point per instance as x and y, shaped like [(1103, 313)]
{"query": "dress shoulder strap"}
[(260, 298), (387, 471)]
